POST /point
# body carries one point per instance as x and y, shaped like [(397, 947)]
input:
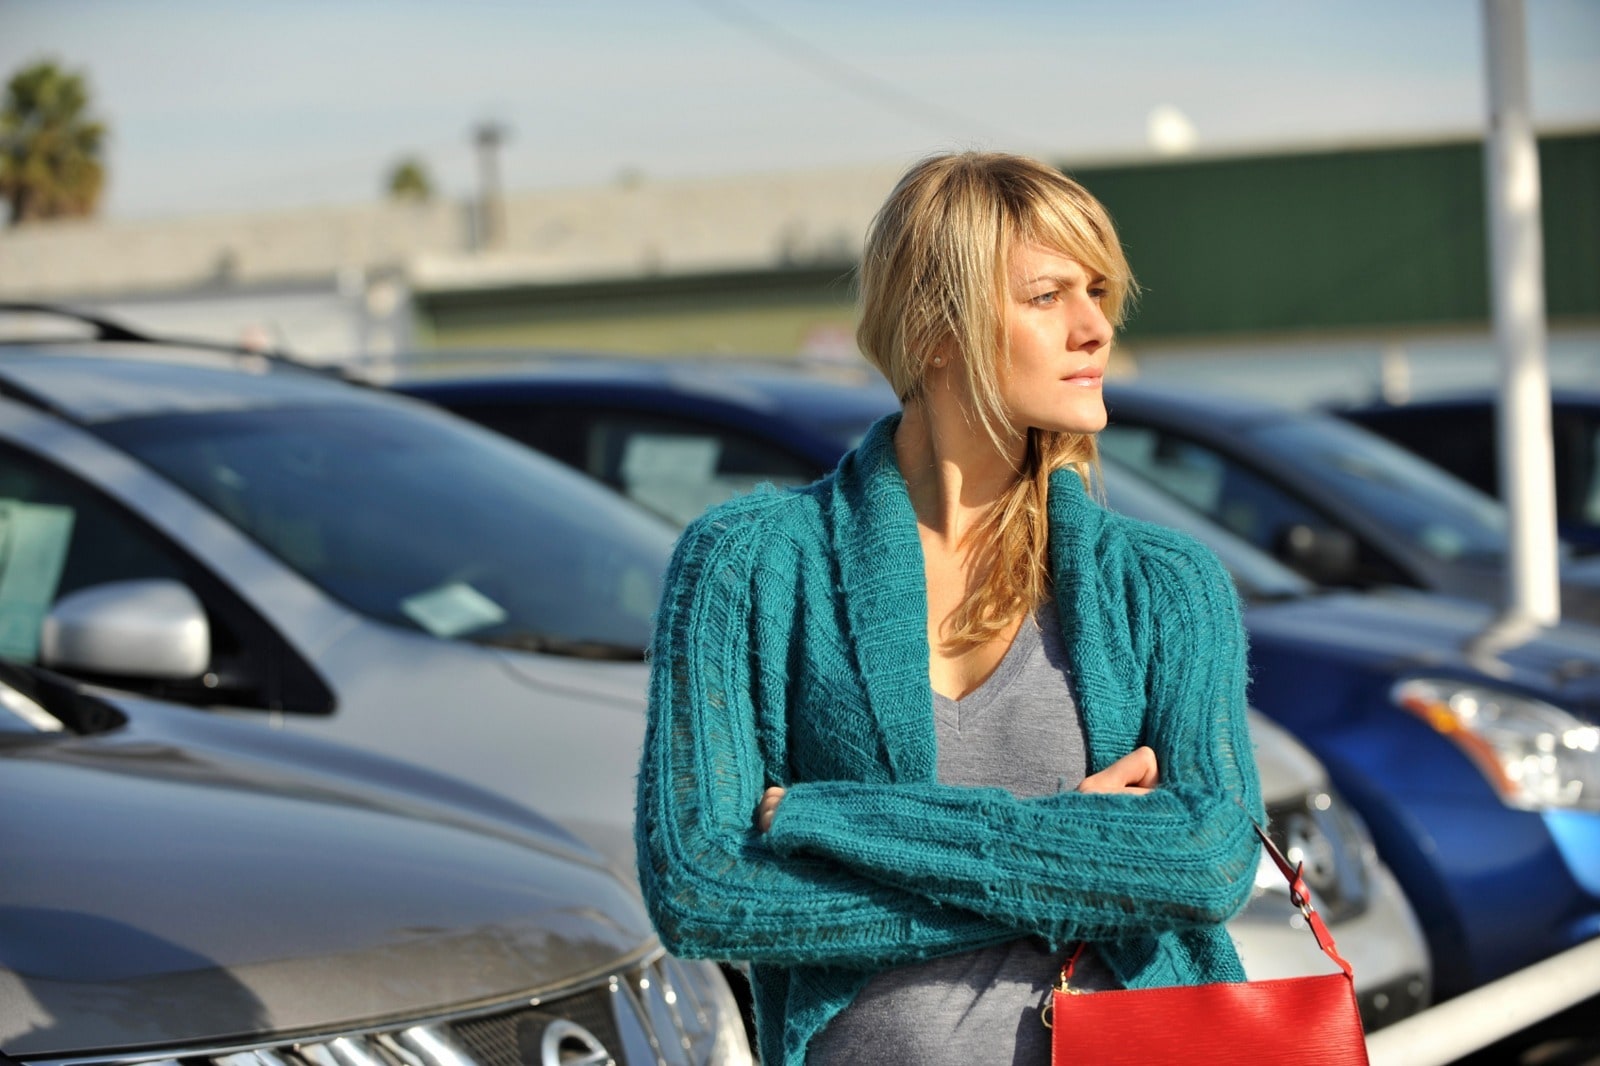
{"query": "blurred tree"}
[(50, 146), (409, 180)]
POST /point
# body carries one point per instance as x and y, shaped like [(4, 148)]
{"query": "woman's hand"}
[(1135, 773), (767, 809)]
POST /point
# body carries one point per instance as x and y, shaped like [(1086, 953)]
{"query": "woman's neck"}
[(954, 473)]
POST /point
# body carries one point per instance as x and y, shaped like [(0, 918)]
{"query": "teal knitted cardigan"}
[(791, 649)]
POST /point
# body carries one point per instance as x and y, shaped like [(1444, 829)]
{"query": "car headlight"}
[(1534, 754)]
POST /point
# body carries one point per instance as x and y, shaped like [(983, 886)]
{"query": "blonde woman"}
[(919, 729)]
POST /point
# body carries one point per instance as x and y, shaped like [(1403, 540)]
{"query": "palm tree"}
[(409, 180), (50, 147)]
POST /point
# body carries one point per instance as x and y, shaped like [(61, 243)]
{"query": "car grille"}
[(657, 1012)]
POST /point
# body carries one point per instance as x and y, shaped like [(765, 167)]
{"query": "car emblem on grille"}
[(564, 1043)]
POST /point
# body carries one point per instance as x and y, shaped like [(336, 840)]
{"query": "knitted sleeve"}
[(713, 885), (1073, 865)]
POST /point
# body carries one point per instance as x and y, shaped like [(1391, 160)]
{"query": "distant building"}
[(1377, 245)]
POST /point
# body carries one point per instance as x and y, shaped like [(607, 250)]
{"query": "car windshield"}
[(1258, 575), (417, 520), (1446, 517)]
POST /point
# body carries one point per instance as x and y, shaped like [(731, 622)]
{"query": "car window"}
[(1235, 497), (1436, 512), (674, 465), (1239, 499), (1187, 471), (421, 521), (1591, 497), (1256, 574), (1577, 446), (678, 467), (1459, 439), (59, 535)]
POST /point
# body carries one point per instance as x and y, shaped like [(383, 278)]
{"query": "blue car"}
[(1341, 505), (1457, 432), (674, 436), (1477, 769)]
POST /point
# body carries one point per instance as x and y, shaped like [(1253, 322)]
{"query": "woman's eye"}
[(1097, 292), (1045, 299)]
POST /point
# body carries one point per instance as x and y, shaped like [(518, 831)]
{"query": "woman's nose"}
[(1091, 331)]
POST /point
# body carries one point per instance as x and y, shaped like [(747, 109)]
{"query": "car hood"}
[(623, 684), (161, 890), (1412, 633)]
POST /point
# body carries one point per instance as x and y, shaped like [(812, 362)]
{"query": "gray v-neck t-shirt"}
[(1020, 730)]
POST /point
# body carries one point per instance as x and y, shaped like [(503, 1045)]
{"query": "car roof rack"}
[(104, 328), (110, 330)]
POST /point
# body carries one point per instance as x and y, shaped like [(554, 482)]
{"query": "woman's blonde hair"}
[(934, 275)]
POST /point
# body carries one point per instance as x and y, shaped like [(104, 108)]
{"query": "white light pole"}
[(1516, 257)]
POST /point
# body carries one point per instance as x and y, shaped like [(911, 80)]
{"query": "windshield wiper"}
[(577, 648)]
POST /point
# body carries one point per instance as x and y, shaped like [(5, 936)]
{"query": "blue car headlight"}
[(1535, 755)]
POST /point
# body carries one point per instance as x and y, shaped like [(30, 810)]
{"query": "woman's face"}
[(1060, 343)]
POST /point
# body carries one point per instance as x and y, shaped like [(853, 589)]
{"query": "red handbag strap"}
[(1299, 895)]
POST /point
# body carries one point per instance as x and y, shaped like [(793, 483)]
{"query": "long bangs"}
[(1074, 224)]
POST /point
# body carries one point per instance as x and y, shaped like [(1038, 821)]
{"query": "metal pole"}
[(1492, 1012), (1527, 463), (491, 205)]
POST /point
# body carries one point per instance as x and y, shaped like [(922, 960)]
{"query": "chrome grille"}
[(493, 1041), (657, 1012), (513, 1038)]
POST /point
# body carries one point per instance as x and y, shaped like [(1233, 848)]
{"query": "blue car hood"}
[(1411, 633)]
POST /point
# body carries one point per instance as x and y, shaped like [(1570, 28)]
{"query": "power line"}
[(849, 77)]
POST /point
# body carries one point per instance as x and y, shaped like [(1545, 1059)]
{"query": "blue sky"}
[(225, 105)]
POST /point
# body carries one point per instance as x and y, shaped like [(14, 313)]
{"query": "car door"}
[(60, 535)]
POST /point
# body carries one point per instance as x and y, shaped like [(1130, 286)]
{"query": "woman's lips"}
[(1087, 377)]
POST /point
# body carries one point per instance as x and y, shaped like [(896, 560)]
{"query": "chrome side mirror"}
[(151, 628)]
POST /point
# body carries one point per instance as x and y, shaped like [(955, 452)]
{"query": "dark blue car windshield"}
[(417, 520), (1446, 517)]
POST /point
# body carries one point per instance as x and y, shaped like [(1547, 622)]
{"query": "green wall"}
[(1306, 242), (1334, 240)]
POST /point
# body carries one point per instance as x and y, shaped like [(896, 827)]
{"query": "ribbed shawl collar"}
[(873, 528)]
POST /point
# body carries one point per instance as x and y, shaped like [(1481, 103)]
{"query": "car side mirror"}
[(1326, 556), (151, 628)]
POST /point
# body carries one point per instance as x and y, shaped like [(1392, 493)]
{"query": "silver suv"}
[(183, 887)]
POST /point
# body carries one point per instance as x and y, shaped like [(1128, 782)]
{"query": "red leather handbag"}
[(1310, 1021)]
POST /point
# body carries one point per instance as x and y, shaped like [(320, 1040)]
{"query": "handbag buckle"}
[(1299, 894), (1064, 988)]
